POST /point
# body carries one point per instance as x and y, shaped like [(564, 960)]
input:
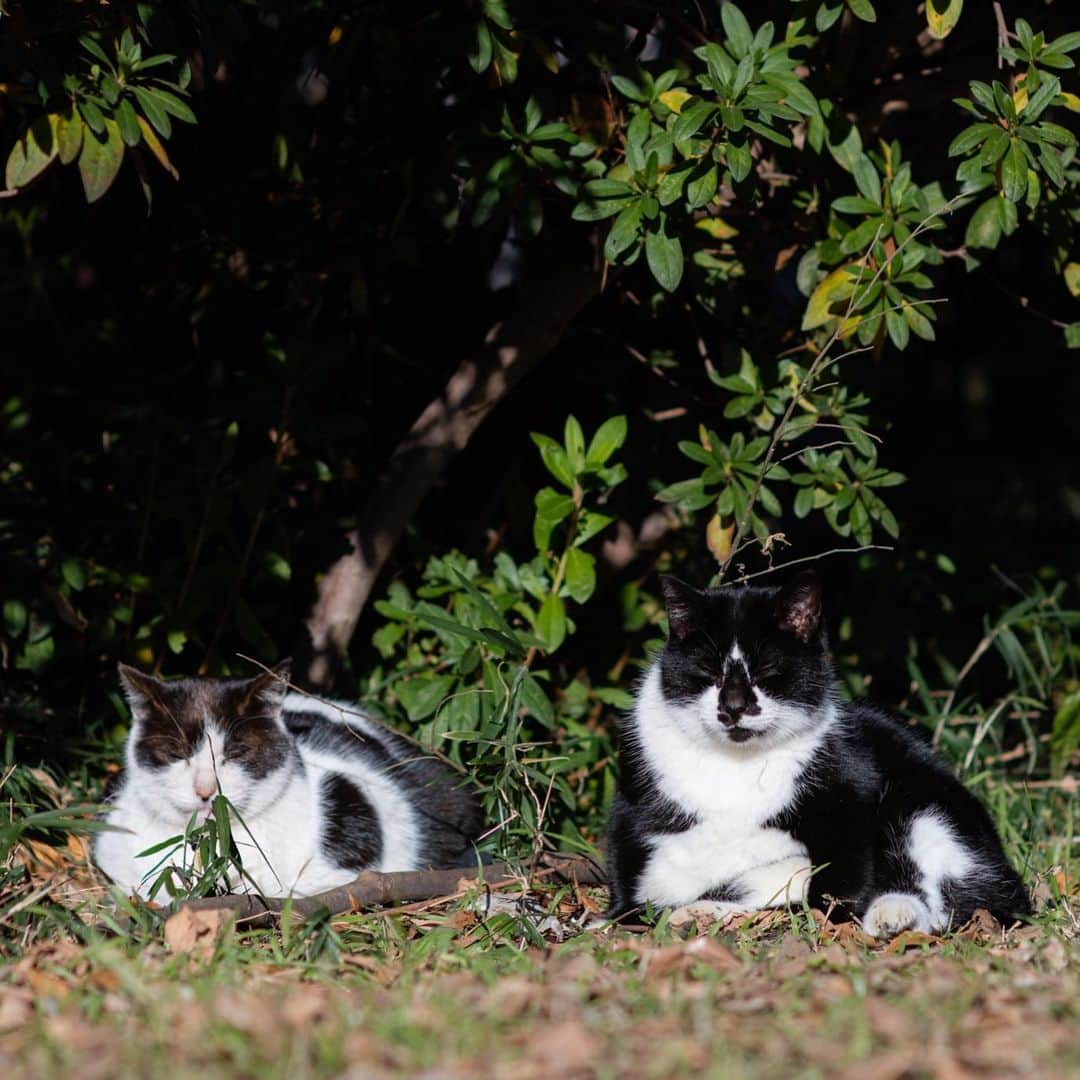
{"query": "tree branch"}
[(512, 349), (371, 888)]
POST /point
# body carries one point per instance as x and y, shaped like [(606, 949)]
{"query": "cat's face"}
[(194, 738), (747, 666)]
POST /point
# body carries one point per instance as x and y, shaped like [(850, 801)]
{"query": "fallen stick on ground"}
[(370, 888)]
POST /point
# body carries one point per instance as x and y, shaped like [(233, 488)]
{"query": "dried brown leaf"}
[(197, 932)]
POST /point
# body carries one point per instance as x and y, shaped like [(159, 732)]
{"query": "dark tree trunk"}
[(512, 349)]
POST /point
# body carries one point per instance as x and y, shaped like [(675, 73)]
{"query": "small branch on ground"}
[(371, 888)]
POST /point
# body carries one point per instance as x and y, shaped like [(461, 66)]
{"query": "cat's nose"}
[(733, 701), (206, 790)]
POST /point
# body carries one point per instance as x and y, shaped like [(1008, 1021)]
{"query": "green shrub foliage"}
[(295, 209)]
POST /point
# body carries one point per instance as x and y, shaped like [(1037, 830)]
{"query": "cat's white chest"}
[(732, 792), (732, 787)]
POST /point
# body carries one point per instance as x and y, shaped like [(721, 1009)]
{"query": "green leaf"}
[(863, 9), (15, 617), (574, 441), (1056, 134), (681, 490), (740, 406), (743, 74), (672, 183), (835, 287), (95, 50), (74, 573), (867, 180), (536, 701), (1067, 43), (591, 210), (551, 622), (479, 55), (1014, 173), (496, 639), (533, 116), (624, 231), (665, 258), (970, 137), (69, 136), (171, 104), (769, 133), (1072, 336), (898, 328), (580, 574), (637, 132), (700, 191), (739, 161), (628, 88), (737, 29), (855, 204), (603, 198), (691, 120), (919, 323), (551, 508), (609, 437), (152, 110), (984, 228), (177, 639), (942, 16), (100, 160), (422, 695), (1049, 88), (720, 65), (614, 696), (554, 457), (128, 121), (589, 524), (1051, 163), (795, 92), (848, 151), (33, 152), (983, 95)]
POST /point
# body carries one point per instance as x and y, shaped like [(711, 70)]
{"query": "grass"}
[(93, 986), (92, 989)]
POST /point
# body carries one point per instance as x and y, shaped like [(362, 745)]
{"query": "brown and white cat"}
[(319, 791)]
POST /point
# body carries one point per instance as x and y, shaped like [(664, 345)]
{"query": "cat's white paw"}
[(777, 883), (891, 913), (704, 912)]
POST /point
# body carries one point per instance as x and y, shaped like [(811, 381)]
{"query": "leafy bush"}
[(378, 203)]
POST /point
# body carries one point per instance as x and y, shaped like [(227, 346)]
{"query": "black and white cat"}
[(746, 783), (320, 792)]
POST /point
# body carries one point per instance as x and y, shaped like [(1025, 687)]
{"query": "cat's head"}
[(192, 738), (745, 666)]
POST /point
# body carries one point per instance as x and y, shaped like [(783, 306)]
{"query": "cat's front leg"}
[(711, 862), (776, 884)]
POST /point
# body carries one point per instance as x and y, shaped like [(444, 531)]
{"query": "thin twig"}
[(972, 660), (815, 369), (1002, 34), (371, 888), (813, 558)]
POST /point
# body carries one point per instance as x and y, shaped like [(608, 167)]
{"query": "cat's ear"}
[(683, 605), (798, 606), (142, 691), (269, 688)]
